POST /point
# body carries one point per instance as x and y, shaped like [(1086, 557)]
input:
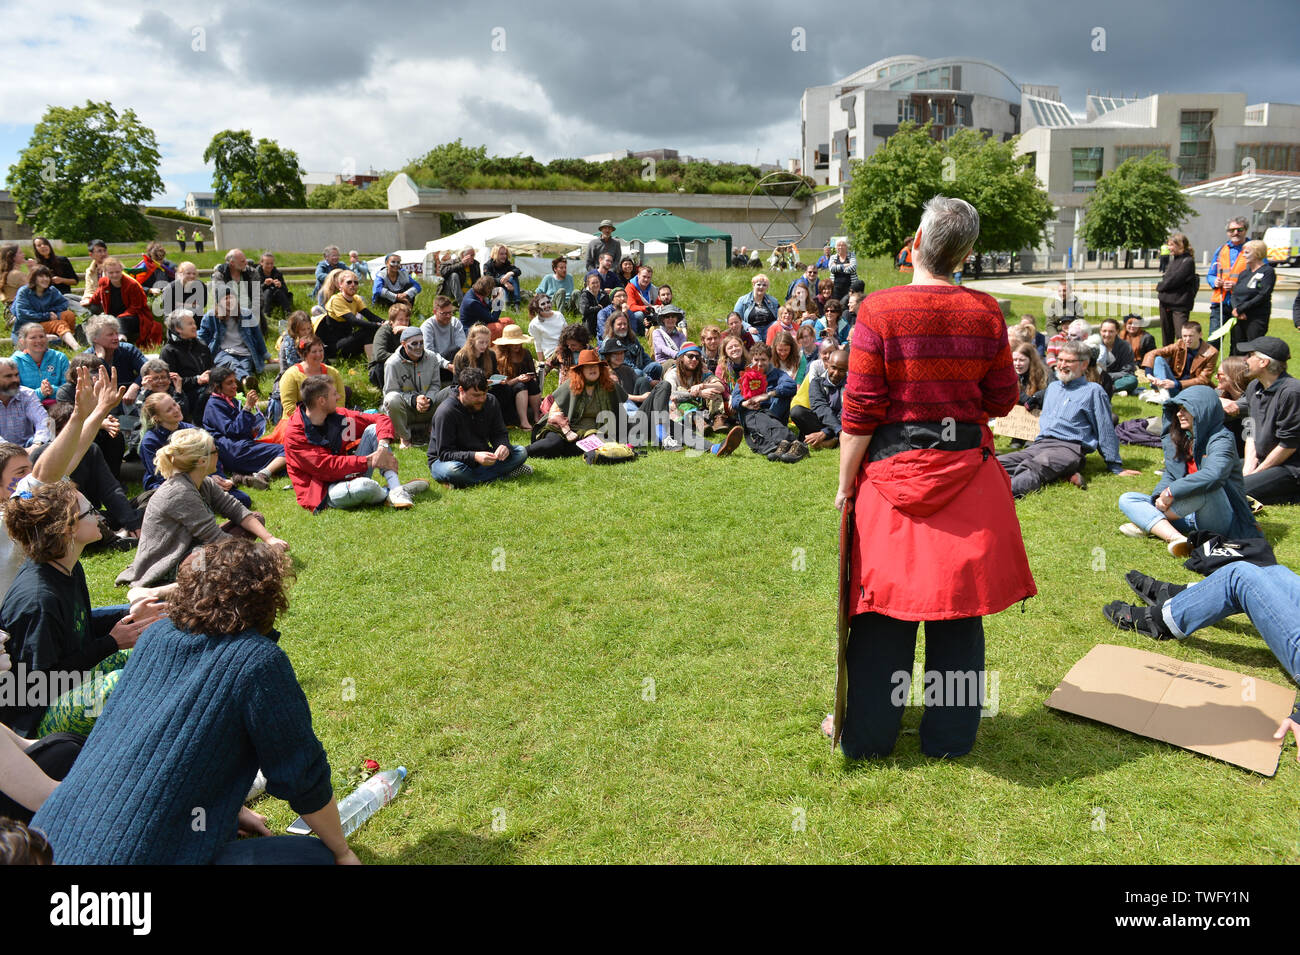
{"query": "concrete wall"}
[(369, 231), (13, 231)]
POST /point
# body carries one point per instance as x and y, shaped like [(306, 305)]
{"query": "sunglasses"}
[(88, 512)]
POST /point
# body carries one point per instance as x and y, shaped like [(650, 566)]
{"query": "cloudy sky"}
[(360, 86)]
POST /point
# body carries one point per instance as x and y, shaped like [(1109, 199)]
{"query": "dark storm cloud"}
[(684, 73), (180, 45)]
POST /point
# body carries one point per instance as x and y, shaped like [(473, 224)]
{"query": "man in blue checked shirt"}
[(23, 420), (1075, 421)]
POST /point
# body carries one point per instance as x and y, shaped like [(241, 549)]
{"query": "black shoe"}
[(798, 451), (1145, 620), (780, 449), (1153, 592)]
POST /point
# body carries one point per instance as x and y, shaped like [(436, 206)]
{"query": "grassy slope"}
[(522, 691)]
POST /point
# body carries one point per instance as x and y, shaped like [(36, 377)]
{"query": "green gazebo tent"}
[(660, 225)]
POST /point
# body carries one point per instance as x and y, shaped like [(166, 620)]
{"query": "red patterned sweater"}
[(925, 353)]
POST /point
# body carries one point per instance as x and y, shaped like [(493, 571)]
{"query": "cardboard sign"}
[(592, 442), (1019, 423), (1215, 712)]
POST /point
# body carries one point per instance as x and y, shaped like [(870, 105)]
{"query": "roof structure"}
[(1251, 188)]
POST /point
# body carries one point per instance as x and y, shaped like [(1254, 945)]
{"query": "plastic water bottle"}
[(370, 797)]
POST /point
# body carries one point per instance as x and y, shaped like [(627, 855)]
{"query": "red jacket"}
[(635, 303), (134, 302), (936, 535), (313, 468)]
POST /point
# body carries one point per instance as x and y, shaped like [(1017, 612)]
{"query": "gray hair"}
[(1077, 350), (1080, 325), (98, 324), (1239, 220), (9, 364), (174, 319), (231, 254), (949, 228), (1275, 367), (329, 249), (155, 366)]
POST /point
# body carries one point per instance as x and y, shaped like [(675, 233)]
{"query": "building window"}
[(821, 157), (1270, 157), (906, 110), (1195, 145), (835, 148), (1087, 167), (853, 145), (1123, 153)]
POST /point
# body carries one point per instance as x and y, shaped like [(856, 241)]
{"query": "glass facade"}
[(1087, 167), (1271, 157), (939, 78), (1124, 153), (1195, 145)]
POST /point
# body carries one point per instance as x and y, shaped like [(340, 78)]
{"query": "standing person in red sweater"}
[(929, 529)]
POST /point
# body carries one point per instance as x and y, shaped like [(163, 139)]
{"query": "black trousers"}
[(114, 449), (880, 654), (348, 341), (806, 420), (1248, 329), (763, 431), (95, 480), (1171, 324), (1273, 486), (54, 754), (554, 445)]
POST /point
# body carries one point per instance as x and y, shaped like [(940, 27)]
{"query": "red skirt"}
[(936, 537)]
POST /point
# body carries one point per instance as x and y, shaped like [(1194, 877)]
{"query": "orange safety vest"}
[(905, 253), (1234, 271)]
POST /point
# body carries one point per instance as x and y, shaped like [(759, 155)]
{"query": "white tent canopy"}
[(521, 234)]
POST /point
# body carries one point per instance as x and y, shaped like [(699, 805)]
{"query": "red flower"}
[(371, 765)]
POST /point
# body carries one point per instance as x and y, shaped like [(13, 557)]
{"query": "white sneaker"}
[(1132, 530), (670, 444), (399, 498), (415, 487)]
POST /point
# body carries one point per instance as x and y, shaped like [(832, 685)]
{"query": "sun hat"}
[(588, 356), (605, 223), (512, 335), (672, 310)]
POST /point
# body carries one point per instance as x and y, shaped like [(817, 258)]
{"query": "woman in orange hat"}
[(589, 401)]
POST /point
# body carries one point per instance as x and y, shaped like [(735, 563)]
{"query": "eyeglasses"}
[(86, 513), (1236, 230)]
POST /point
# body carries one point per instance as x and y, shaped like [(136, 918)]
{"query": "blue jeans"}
[(242, 364), (461, 474), (1270, 596), (1160, 369), (1196, 512)]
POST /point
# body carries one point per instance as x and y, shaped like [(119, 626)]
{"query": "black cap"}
[(1274, 348), (609, 345)]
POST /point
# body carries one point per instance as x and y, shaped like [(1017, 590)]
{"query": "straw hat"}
[(512, 335)]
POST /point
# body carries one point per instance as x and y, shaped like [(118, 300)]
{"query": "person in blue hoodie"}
[(1201, 487), (765, 417)]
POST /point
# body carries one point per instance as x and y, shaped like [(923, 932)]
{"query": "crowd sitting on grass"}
[(776, 375)]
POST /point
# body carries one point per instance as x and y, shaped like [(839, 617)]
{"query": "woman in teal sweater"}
[(207, 698)]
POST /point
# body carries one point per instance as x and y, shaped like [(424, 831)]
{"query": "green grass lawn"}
[(630, 664)]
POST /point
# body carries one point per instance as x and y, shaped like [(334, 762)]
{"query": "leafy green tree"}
[(1135, 206), (882, 204), (84, 172), (248, 175)]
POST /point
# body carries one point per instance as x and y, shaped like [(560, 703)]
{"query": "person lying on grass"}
[(182, 513), (1269, 596)]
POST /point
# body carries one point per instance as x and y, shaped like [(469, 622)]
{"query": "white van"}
[(1283, 245)]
